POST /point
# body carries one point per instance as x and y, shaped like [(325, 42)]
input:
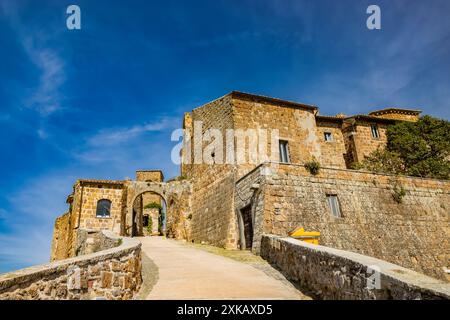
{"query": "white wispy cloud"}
[(113, 136), (46, 97), (42, 198)]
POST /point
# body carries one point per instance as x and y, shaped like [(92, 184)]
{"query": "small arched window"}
[(103, 208)]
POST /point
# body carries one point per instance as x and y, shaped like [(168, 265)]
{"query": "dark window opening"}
[(284, 151), (145, 220), (375, 133), (328, 136), (103, 208)]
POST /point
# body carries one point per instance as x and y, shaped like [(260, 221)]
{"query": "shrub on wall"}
[(153, 205), (313, 166), (398, 193)]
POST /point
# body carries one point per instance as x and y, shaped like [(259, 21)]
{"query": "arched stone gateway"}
[(175, 194)]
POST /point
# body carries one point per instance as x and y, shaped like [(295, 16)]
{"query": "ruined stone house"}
[(232, 203)]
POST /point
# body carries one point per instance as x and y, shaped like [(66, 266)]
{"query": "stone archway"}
[(149, 214), (166, 190)]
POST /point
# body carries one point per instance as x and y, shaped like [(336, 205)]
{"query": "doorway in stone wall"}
[(149, 215), (134, 231), (246, 226)]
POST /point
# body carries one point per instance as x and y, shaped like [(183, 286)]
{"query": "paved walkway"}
[(185, 272)]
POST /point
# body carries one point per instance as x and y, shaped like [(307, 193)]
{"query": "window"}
[(328, 136), (334, 205), (375, 133), (284, 151), (103, 208)]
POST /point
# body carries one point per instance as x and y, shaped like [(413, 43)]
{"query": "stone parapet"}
[(337, 274), (114, 274)]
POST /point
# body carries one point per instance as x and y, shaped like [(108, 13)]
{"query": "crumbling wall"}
[(60, 241), (179, 211), (90, 241)]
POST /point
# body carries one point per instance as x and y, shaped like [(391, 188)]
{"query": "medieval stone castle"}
[(232, 205)]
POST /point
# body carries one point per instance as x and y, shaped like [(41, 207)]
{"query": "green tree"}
[(419, 148)]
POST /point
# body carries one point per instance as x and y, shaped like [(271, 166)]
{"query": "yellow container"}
[(301, 234)]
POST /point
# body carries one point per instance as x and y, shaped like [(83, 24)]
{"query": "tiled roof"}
[(330, 118), (118, 182), (255, 97), (396, 110), (371, 118)]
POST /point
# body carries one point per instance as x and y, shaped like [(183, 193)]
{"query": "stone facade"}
[(333, 152), (60, 240), (113, 274), (94, 192), (413, 233), (124, 196), (149, 175), (214, 220), (360, 141), (212, 194), (341, 275)]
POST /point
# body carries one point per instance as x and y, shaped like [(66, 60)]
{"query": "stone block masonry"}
[(113, 274), (336, 274), (413, 232)]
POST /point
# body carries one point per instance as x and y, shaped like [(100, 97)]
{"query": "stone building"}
[(229, 194), (120, 207)]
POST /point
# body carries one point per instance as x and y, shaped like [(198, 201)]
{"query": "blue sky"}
[(101, 102)]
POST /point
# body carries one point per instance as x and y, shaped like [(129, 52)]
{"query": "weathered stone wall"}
[(92, 193), (90, 241), (298, 124), (336, 274), (179, 212), (413, 233), (112, 274), (212, 195), (247, 195), (332, 152), (295, 124), (214, 219), (60, 241), (149, 175), (364, 143), (82, 214)]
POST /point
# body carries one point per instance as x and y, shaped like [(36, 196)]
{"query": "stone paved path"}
[(186, 272)]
